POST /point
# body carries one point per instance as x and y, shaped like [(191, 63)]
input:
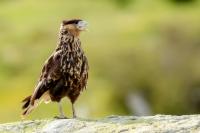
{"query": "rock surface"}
[(112, 124)]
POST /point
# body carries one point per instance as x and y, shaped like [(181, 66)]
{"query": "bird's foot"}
[(60, 117), (74, 116)]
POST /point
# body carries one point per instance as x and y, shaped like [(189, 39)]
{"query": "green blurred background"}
[(144, 55)]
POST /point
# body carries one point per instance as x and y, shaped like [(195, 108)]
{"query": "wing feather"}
[(49, 77)]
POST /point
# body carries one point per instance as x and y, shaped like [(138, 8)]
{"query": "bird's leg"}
[(73, 99), (62, 115), (61, 110), (74, 111)]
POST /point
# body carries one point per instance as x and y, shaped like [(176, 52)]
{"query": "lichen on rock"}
[(111, 124)]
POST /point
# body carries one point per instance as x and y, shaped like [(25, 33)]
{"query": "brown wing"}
[(51, 73), (49, 78)]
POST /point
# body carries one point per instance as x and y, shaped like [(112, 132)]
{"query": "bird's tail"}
[(27, 106)]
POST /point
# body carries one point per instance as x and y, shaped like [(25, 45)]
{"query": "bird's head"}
[(74, 26)]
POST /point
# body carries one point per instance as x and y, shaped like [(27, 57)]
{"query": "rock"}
[(112, 124)]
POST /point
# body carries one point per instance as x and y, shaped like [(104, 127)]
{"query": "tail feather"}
[(40, 93), (26, 102), (28, 110), (27, 107)]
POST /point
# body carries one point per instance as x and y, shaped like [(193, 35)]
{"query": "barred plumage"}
[(65, 73)]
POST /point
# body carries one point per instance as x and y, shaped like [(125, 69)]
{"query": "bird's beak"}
[(82, 25)]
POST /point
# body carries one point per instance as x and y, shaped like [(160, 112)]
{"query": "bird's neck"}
[(68, 41)]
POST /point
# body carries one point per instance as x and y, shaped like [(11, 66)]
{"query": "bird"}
[(65, 72)]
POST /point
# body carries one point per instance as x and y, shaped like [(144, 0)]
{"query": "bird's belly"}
[(69, 86), (59, 91), (73, 79)]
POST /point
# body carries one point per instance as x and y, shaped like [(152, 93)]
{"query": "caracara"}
[(65, 73)]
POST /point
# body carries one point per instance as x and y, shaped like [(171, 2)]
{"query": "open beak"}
[(82, 25)]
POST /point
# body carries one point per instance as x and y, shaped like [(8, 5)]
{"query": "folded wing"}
[(50, 76)]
